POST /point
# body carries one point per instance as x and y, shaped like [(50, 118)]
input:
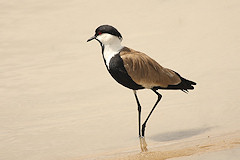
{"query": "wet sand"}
[(187, 149), (57, 100)]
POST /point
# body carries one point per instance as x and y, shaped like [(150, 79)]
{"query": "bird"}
[(136, 70)]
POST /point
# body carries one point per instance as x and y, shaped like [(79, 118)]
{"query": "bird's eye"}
[(99, 33)]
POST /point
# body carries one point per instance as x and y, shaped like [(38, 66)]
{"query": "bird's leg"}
[(144, 124), (139, 113)]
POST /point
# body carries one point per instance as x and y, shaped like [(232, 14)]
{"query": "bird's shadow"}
[(178, 135)]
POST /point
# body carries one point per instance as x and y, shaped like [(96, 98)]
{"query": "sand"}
[(232, 154), (192, 149), (57, 100)]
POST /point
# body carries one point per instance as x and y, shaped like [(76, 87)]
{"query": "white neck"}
[(112, 46)]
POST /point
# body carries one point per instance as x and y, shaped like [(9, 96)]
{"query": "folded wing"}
[(147, 72)]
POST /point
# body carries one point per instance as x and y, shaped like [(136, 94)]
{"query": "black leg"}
[(139, 113), (144, 124)]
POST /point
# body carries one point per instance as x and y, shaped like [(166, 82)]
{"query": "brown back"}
[(147, 72)]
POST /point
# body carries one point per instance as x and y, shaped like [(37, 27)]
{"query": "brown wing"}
[(147, 72)]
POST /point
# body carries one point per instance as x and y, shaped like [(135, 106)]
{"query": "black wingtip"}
[(193, 83)]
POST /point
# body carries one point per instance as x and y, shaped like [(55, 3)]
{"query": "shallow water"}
[(57, 100)]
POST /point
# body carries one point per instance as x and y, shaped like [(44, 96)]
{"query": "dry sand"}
[(57, 101)]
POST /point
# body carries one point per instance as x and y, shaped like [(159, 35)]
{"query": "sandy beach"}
[(58, 101)]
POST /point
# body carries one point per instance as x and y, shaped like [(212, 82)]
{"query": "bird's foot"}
[(143, 144)]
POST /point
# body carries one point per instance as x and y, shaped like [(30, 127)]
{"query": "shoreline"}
[(175, 150)]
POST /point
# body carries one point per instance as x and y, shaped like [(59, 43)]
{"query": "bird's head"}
[(106, 35)]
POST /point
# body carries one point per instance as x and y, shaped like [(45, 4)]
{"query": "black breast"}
[(119, 73)]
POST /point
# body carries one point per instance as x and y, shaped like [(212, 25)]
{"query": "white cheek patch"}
[(112, 46), (104, 38)]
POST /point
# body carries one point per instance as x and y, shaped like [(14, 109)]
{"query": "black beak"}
[(93, 37)]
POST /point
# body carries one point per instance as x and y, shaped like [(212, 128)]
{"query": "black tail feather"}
[(185, 85)]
